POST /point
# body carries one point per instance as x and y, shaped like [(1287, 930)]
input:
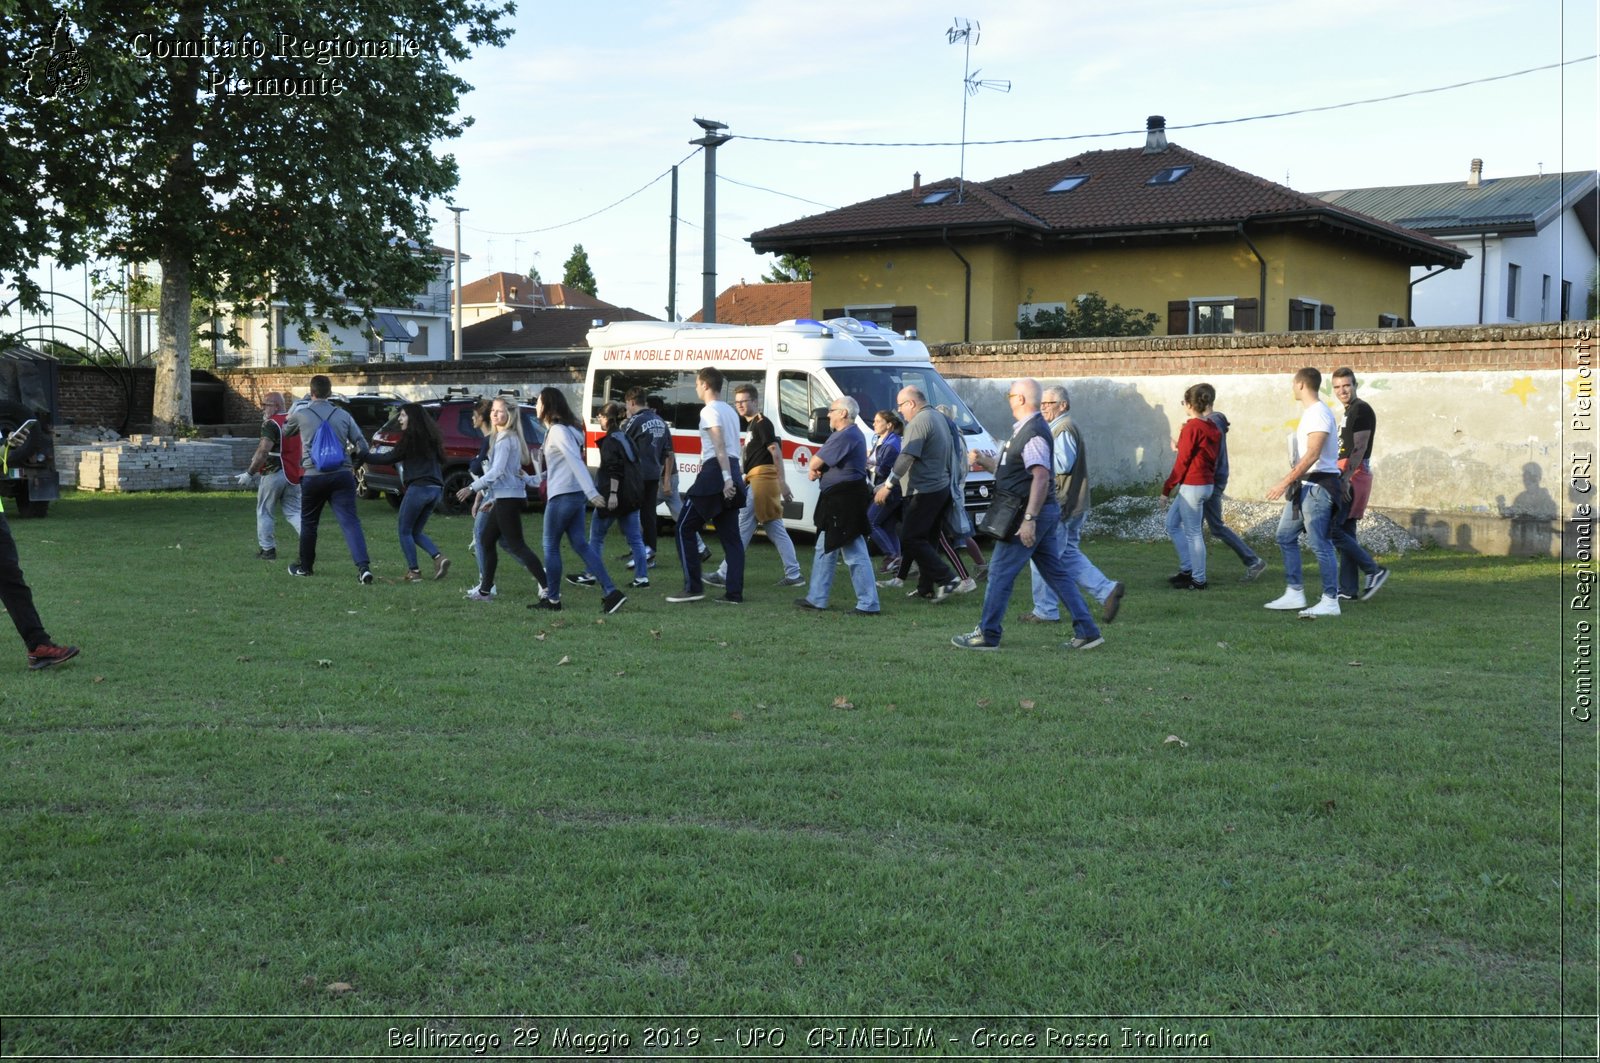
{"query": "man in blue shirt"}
[(840, 467)]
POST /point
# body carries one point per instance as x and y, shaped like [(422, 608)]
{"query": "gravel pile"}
[(1143, 519)]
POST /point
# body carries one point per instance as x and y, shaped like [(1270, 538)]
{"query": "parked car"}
[(461, 443), (371, 412)]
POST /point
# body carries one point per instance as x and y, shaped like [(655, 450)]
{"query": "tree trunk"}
[(173, 403)]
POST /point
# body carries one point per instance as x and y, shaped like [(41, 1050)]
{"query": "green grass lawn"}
[(1284, 835)]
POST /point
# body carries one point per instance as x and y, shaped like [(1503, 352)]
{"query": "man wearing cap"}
[(274, 490)]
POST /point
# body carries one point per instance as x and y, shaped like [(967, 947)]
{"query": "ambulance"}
[(798, 368)]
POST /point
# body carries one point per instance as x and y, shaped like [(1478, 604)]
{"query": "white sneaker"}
[(967, 586), (1293, 598), (1326, 607)]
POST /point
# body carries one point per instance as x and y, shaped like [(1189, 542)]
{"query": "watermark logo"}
[(56, 69)]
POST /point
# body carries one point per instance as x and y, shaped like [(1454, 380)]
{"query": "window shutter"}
[(1327, 316), (1297, 311), (1246, 315), (1178, 317), (903, 319)]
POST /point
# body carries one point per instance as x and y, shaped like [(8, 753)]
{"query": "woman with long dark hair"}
[(567, 485), (884, 520), (624, 488), (419, 456), (506, 490)]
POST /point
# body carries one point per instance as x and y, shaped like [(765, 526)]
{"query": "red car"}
[(461, 444)]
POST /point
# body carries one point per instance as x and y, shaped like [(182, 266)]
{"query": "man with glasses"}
[(1072, 494), (1024, 469), (840, 468), (924, 471), (763, 471)]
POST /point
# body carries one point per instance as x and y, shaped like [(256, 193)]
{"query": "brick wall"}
[(1409, 350), (121, 398)]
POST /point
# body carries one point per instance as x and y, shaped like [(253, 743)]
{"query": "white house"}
[(1532, 240), (417, 332)]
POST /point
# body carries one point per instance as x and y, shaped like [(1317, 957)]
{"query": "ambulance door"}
[(800, 396)]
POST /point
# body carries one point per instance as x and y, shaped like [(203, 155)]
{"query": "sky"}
[(588, 104)]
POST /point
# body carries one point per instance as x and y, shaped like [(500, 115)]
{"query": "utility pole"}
[(708, 286), (455, 351), (672, 252)]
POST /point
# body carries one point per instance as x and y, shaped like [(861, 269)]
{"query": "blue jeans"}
[(857, 560), (632, 531), (777, 535), (338, 489), (1230, 538), (478, 523), (1008, 559), (1046, 606), (884, 521), (563, 515), (1186, 528), (1352, 555), (416, 506), (1314, 515)]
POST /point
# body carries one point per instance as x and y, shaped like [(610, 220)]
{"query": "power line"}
[(1191, 125), (1024, 140), (774, 191), (592, 214)]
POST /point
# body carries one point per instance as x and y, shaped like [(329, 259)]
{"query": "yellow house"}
[(1205, 247)]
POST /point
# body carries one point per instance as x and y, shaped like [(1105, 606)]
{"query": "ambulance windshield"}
[(874, 388)]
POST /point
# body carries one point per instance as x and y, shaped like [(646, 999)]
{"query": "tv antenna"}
[(967, 32)]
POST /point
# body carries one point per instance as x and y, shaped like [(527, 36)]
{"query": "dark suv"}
[(461, 443), (371, 412)]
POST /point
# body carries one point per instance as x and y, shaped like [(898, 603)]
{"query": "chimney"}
[(513, 298), (516, 323), (1475, 179), (1155, 135), (916, 183)]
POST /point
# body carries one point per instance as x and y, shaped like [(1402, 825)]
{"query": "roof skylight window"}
[(1067, 184), (937, 197), (1170, 176)]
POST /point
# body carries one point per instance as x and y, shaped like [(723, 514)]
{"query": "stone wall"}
[(1472, 447)]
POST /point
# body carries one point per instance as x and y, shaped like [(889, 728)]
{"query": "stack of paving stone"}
[(72, 442), (215, 462), (152, 463), (142, 463)]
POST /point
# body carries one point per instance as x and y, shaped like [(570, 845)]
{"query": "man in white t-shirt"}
[(1310, 500), (715, 496)]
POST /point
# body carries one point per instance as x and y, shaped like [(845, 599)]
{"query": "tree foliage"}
[(1088, 315), (269, 167), (788, 268), (576, 274)]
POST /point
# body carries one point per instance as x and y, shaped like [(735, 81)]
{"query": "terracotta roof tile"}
[(762, 304), (1117, 198), (497, 288)]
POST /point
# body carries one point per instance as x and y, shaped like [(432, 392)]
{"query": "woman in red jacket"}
[(1193, 474)]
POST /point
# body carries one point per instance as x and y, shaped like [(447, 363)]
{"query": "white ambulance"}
[(797, 367)]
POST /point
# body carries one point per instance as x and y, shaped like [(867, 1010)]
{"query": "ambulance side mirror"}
[(819, 425)]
